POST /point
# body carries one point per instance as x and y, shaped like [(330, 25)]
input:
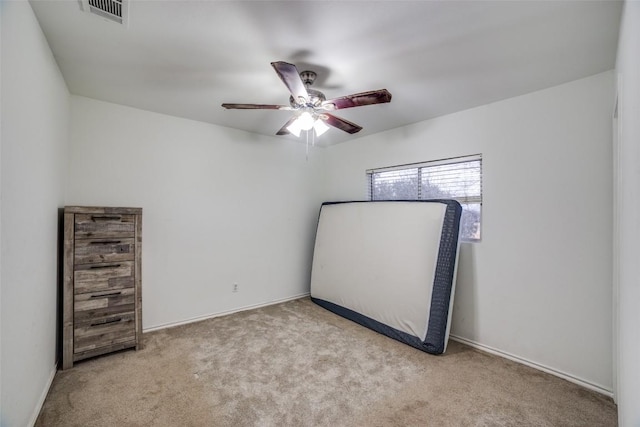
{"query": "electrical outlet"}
[(235, 288)]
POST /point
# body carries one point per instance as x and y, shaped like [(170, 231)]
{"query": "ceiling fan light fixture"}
[(294, 128), (305, 121), (329, 106), (320, 127)]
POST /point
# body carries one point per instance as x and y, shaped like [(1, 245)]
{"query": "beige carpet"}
[(296, 364)]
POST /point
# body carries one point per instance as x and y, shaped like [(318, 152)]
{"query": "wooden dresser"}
[(102, 298)]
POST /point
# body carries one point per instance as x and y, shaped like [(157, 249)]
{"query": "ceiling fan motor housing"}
[(314, 100), (315, 96), (308, 77)]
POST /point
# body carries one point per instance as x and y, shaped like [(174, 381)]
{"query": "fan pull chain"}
[(313, 141)]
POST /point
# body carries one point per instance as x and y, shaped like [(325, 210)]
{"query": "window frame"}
[(463, 200)]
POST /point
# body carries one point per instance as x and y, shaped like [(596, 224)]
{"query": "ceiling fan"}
[(312, 109)]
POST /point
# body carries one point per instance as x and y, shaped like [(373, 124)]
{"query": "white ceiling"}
[(185, 58)]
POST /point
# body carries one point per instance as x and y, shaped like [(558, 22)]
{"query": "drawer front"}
[(103, 332), (93, 302), (104, 226), (103, 277), (88, 251)]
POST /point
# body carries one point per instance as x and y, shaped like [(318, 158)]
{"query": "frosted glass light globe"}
[(306, 121)]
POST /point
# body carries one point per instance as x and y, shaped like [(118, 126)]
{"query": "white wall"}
[(35, 108), (628, 214), (538, 285), (220, 206), (223, 206)]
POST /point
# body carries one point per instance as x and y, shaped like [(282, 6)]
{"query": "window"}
[(459, 178)]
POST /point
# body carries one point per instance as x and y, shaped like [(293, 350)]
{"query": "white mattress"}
[(379, 260)]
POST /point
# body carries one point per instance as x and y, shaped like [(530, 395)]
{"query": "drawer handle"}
[(106, 217), (112, 294), (106, 322), (106, 242), (95, 267)]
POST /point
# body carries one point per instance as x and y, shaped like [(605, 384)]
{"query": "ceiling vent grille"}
[(113, 10)]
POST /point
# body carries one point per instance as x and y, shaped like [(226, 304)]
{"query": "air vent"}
[(113, 10)]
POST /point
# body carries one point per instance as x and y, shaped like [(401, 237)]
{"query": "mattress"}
[(389, 266)]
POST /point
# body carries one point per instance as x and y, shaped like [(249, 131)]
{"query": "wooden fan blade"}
[(340, 123), (358, 100), (255, 107), (289, 75), (283, 130)]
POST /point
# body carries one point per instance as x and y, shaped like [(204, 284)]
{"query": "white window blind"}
[(458, 178)]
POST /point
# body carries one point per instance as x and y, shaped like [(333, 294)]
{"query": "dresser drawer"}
[(111, 300), (101, 225), (103, 277), (88, 251), (104, 332)]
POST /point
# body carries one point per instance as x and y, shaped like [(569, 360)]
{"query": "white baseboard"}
[(223, 313), (582, 382), (43, 396)]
